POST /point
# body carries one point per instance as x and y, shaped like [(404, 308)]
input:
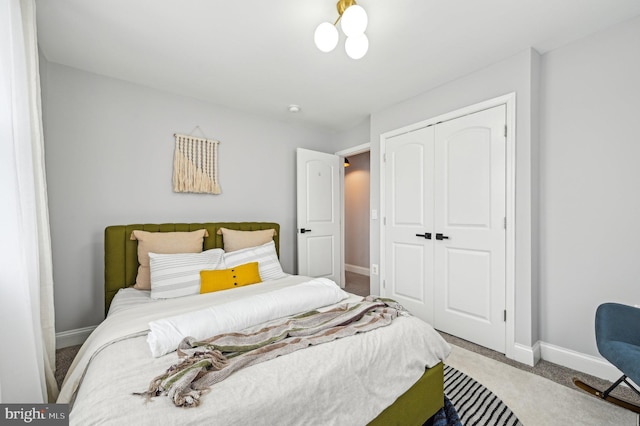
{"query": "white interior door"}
[(445, 253), (470, 195), (409, 222), (318, 214)]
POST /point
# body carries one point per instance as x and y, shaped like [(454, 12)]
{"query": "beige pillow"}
[(164, 243), (235, 240)]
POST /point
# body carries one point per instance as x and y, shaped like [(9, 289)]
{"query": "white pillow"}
[(266, 256), (177, 275)]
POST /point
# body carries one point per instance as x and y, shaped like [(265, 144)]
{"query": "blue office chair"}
[(618, 340)]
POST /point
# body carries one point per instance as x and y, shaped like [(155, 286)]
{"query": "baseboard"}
[(357, 269), (589, 364), (584, 363), (525, 354), (73, 337)]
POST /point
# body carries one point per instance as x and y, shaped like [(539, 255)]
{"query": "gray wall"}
[(109, 147), (578, 180), (356, 135), (356, 211), (590, 183), (109, 158)]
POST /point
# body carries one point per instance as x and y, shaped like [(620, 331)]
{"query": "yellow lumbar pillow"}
[(223, 279)]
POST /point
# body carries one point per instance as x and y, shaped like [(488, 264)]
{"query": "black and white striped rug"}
[(475, 404)]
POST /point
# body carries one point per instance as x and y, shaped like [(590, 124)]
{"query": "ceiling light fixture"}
[(294, 108), (346, 162), (353, 20)]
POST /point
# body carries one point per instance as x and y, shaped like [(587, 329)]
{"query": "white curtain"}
[(27, 333)]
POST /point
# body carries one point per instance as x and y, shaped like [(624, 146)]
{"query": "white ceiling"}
[(259, 56)]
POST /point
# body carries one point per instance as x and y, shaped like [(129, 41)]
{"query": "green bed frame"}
[(413, 407), (121, 252)]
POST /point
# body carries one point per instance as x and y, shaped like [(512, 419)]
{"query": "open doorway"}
[(356, 222)]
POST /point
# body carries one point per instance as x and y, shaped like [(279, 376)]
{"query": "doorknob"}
[(302, 230), (439, 236), (426, 235)]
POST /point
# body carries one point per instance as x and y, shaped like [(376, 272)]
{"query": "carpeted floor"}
[(64, 358), (548, 370), (359, 284)]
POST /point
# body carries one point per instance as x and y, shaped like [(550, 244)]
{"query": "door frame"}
[(509, 101), (354, 150)]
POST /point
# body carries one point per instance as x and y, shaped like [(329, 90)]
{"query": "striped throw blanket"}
[(207, 362)]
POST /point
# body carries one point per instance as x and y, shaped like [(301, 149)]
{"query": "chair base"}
[(605, 395)]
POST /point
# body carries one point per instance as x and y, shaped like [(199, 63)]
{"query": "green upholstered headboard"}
[(121, 253)]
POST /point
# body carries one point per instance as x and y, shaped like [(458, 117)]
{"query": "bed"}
[(391, 375)]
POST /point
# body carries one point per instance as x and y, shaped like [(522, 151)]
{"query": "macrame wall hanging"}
[(195, 165)]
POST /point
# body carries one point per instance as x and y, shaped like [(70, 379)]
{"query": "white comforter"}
[(345, 382), (167, 333)]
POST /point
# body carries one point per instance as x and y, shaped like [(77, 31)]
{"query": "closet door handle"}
[(439, 236), (426, 235), (302, 230)]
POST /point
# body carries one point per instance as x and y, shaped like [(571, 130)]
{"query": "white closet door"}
[(445, 189), (470, 191), (409, 195)]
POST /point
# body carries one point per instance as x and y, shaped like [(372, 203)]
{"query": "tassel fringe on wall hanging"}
[(195, 165)]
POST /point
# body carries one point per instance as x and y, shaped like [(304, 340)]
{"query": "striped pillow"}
[(266, 256), (177, 275)]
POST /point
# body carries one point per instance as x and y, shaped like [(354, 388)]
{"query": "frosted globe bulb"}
[(354, 21), (326, 37), (357, 47)]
